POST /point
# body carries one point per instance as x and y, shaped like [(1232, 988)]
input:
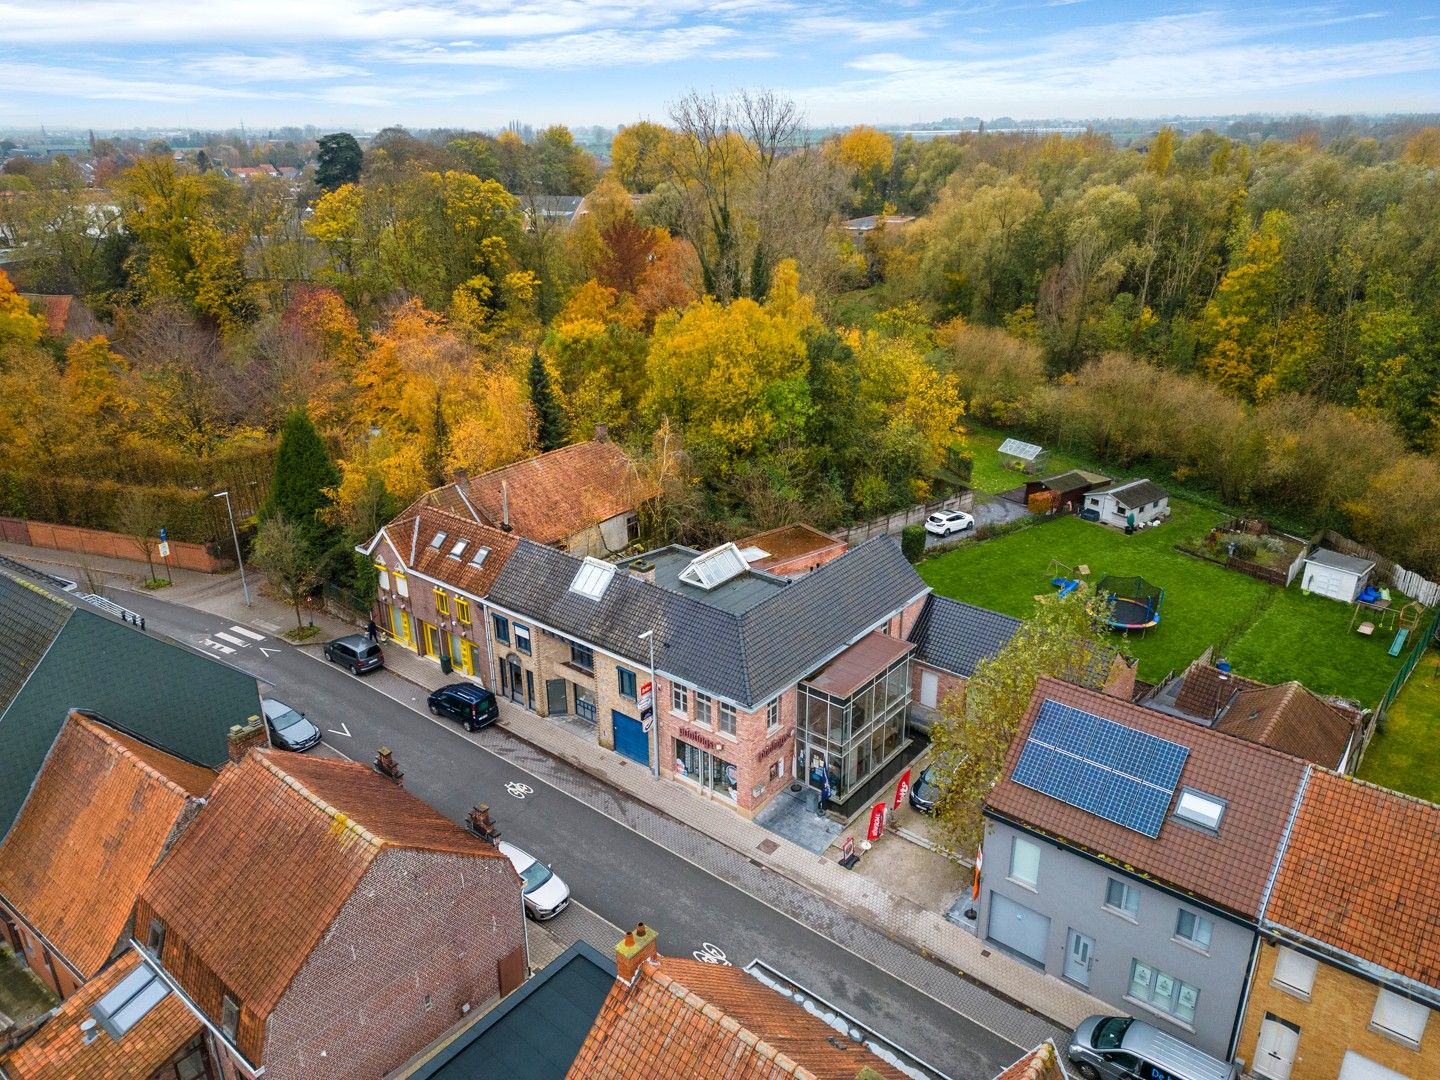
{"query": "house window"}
[(402, 586), (772, 715), (626, 678), (155, 939), (679, 698), (522, 638), (1194, 929), (1153, 987), (384, 573), (1399, 1017), (462, 610), (229, 1017), (777, 769), (1024, 861), (727, 718), (1294, 972), (1199, 809), (702, 708), (582, 657), (442, 602), (502, 629), (1122, 897)]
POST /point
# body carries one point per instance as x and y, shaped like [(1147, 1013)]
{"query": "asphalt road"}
[(620, 875)]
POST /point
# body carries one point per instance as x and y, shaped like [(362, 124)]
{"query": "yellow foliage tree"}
[(18, 325)]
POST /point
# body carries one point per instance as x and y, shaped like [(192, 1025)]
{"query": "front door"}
[(557, 697), (516, 677), (631, 739), (929, 689), (1078, 951), (1275, 1052)]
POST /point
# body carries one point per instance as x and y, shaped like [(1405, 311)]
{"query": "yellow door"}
[(432, 640)]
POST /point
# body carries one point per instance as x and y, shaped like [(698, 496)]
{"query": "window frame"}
[(1128, 891), (1294, 956), (500, 627), (587, 665), (1178, 988), (462, 610), (1388, 1001), (1197, 921), (442, 600), (621, 673), (383, 573), (155, 935), (229, 1016), (1017, 844), (726, 720), (704, 711), (680, 699), (521, 634), (1203, 797), (772, 716)]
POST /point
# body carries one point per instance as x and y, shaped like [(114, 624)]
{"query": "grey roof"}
[(1132, 494), (1334, 559), (1074, 480), (746, 656), (179, 700), (955, 636), (30, 621), (738, 595)]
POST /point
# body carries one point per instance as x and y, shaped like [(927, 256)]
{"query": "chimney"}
[(505, 506), (643, 569), (245, 737), (602, 432), (637, 947), (386, 766)]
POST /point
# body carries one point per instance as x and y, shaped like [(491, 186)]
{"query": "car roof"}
[(467, 690), (353, 640), (1171, 1054), (273, 707)]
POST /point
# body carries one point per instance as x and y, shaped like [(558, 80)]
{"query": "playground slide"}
[(1399, 642)]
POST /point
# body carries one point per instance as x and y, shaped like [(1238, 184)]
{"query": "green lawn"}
[(1267, 633), (991, 475), (1406, 755)]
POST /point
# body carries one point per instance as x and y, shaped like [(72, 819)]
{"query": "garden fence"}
[(896, 522), (1417, 650), (1407, 581)]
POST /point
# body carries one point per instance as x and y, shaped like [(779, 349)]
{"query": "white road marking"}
[(248, 633), (518, 789), (344, 730), (268, 652), (711, 954), (231, 638), (226, 649)]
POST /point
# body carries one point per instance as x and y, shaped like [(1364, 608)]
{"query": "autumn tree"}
[(1065, 639), (868, 153), (292, 566), (18, 324), (637, 156), (140, 517)]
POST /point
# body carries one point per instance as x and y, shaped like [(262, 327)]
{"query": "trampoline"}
[(1136, 602)]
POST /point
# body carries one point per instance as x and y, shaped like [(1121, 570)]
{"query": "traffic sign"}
[(162, 533), (164, 549)]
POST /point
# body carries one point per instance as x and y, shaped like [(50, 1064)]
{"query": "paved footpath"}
[(915, 945)]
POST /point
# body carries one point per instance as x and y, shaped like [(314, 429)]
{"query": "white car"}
[(545, 894), (945, 522)]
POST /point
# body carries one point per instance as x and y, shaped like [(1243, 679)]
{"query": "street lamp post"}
[(235, 536), (649, 638)]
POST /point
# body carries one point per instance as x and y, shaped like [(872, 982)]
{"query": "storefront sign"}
[(698, 737), (902, 788), (877, 822), (773, 745), (645, 701)]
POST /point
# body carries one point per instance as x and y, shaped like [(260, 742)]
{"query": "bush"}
[(912, 542)]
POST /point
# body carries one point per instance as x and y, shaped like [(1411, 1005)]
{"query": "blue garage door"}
[(630, 738)]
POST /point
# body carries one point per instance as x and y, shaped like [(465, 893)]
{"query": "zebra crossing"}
[(230, 640)]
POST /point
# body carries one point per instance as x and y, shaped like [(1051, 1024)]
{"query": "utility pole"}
[(235, 536)]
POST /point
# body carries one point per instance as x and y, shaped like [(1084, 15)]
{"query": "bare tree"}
[(140, 516), (712, 160), (770, 123), (288, 562)]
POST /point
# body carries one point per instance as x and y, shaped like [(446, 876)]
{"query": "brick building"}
[(1347, 981), (790, 550), (319, 921), (950, 638), (103, 811)]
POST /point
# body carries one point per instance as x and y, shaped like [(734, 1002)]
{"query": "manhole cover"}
[(769, 847)]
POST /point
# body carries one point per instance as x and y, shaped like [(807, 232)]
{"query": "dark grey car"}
[(356, 652)]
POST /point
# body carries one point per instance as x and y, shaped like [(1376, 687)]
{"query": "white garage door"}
[(1356, 1067), (1017, 927)]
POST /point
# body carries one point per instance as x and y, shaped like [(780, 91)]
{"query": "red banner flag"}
[(877, 822), (902, 789)]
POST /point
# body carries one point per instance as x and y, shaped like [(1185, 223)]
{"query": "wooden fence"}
[(896, 522), (1407, 581)]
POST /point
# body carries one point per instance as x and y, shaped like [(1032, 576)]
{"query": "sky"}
[(363, 64)]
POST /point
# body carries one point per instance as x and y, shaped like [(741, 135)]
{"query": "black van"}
[(473, 706), (357, 652)]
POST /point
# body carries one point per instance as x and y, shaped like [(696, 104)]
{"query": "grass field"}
[(1267, 633), (990, 474), (1406, 755)]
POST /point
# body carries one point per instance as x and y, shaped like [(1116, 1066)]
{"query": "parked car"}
[(472, 705), (545, 894), (1123, 1048), (357, 652), (289, 729), (924, 791), (945, 522)]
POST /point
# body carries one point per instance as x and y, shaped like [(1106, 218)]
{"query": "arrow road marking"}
[(344, 730), (231, 638), (268, 652), (248, 633)]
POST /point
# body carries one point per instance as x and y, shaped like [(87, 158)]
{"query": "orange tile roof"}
[(683, 1018), (1258, 784), (1206, 690), (411, 535), (1291, 719), (788, 543), (1362, 874), (1042, 1063), (302, 828), (58, 1051), (93, 827), (553, 495)]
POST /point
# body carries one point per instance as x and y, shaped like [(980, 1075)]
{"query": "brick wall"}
[(946, 683), (1334, 1020), (420, 926), (183, 554)]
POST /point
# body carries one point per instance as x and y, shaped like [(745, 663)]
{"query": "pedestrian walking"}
[(825, 794), (372, 631)]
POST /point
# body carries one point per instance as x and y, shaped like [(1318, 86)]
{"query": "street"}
[(555, 812)]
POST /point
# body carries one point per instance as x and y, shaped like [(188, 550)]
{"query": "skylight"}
[(715, 567), (753, 554), (593, 578), (478, 559), (439, 539), (458, 548), (126, 1005), (1200, 809)]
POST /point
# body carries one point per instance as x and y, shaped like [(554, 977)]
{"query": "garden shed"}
[(1340, 577), (1022, 456), (1127, 504)]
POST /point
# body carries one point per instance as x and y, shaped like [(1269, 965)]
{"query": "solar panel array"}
[(1101, 767)]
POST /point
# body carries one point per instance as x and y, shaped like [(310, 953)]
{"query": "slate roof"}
[(554, 495), (411, 535), (955, 636), (1359, 875), (1340, 561), (100, 665), (289, 826), (1291, 719), (1229, 868), (747, 657), (1132, 494), (97, 821), (1074, 480), (685, 1018), (58, 1051)]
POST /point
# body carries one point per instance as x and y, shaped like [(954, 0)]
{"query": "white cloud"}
[(845, 29), (241, 68), (601, 48)]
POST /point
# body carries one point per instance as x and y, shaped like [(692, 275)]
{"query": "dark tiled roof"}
[(1231, 868), (955, 636), (58, 1051), (1290, 718), (30, 621), (682, 1018), (1134, 493), (95, 824), (169, 695), (1360, 875), (1074, 480), (746, 657)]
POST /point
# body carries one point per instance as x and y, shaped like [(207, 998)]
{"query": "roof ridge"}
[(738, 1031), (338, 816), (1351, 778), (85, 723)]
